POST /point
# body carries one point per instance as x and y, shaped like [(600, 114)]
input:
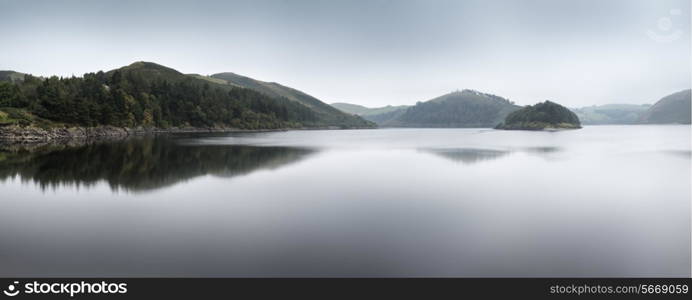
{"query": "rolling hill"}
[(611, 114), (326, 114), (467, 108), (363, 111), (672, 109), (145, 94)]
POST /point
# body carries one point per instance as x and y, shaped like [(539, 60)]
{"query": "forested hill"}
[(672, 109), (465, 108), (325, 113), (150, 95)]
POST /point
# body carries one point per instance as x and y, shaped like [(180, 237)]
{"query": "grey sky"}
[(373, 52)]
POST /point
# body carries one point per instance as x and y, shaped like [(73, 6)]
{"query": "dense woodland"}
[(147, 95), (326, 114)]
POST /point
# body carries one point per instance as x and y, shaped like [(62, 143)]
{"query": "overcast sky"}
[(371, 52)]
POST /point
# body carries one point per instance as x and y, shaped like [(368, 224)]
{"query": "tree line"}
[(127, 98)]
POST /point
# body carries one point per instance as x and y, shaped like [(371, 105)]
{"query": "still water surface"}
[(600, 201)]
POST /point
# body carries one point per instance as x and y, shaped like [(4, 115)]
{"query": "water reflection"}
[(680, 153), (476, 155), (137, 164), (542, 150), (601, 201), (468, 155)]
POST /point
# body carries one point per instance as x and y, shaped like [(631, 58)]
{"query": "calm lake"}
[(600, 201)]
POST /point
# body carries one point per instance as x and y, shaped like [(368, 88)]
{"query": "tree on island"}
[(544, 115)]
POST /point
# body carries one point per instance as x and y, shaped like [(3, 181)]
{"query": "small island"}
[(542, 116)]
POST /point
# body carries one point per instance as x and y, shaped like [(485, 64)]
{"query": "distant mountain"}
[(545, 115), (326, 114), (611, 113), (672, 109), (465, 108), (348, 108), (363, 111), (11, 76), (386, 118)]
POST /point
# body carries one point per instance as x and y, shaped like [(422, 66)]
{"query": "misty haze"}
[(380, 138)]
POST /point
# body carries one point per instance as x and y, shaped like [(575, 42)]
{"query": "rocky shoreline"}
[(538, 126), (30, 134)]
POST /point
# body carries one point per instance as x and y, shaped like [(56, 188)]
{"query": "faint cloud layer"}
[(373, 52)]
